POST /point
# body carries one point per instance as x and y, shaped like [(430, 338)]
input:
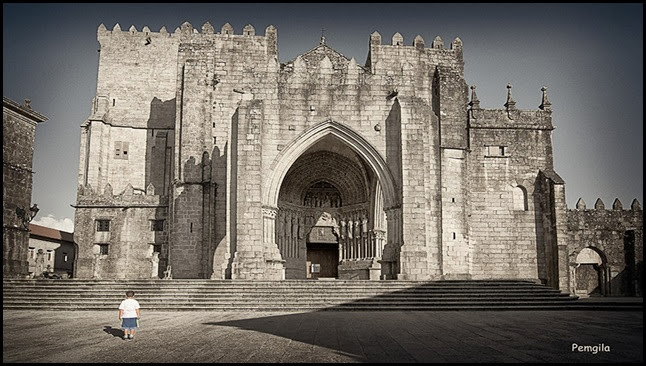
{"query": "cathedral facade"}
[(205, 157)]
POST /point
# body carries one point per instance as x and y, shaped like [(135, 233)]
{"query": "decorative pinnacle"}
[(510, 102), (322, 35), (475, 102), (545, 104)]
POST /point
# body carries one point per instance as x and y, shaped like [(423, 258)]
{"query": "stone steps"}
[(291, 295)]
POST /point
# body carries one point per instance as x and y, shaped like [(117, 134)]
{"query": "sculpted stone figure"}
[(40, 263), (155, 265)]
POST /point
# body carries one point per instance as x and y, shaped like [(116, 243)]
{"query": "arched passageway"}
[(591, 274), (330, 205)]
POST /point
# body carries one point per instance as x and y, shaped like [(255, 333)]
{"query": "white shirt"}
[(129, 307)]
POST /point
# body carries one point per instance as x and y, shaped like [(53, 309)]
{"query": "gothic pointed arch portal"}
[(331, 189)]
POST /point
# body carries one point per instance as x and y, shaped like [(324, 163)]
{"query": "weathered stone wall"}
[(389, 104), (504, 235), (617, 235), (18, 132), (214, 122), (134, 69), (130, 238), (127, 143), (128, 136), (216, 73)]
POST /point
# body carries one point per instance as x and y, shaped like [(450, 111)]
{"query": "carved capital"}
[(269, 212)]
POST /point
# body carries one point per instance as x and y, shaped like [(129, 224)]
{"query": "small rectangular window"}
[(64, 257), (496, 150), (125, 150), (103, 249), (102, 225), (156, 225), (156, 248), (117, 149), (121, 150)]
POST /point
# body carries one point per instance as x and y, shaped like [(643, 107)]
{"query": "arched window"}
[(520, 198)]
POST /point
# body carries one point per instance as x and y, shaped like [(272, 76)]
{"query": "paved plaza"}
[(326, 336)]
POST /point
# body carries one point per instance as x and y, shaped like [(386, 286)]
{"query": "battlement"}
[(510, 117), (185, 30), (397, 41), (384, 57), (87, 196), (617, 220), (616, 205)]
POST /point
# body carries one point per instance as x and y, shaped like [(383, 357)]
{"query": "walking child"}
[(129, 315)]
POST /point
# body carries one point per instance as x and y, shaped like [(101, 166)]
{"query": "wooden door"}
[(323, 260)]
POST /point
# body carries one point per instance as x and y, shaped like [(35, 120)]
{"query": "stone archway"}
[(590, 273), (331, 170)]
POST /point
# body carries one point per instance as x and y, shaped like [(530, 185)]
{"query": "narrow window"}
[(496, 150), (520, 198), (49, 254), (64, 257), (102, 225), (125, 150), (121, 150), (113, 102), (117, 149), (156, 248), (453, 199), (156, 225), (453, 236), (103, 249)]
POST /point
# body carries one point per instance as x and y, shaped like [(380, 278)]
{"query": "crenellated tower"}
[(232, 165)]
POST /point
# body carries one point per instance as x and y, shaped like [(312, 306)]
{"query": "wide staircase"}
[(295, 295)]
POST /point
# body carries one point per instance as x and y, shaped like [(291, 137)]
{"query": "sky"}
[(590, 56)]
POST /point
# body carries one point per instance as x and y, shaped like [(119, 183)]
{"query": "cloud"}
[(64, 224)]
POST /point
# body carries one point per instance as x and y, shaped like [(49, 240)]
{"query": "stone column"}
[(343, 240), (391, 252), (257, 255), (560, 223), (379, 236), (272, 255)]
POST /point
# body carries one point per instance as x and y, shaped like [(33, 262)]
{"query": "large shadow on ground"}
[(442, 336)]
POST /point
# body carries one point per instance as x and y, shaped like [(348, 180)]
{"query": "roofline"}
[(22, 110)]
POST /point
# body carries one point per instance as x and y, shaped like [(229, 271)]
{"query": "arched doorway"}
[(590, 273), (330, 189)]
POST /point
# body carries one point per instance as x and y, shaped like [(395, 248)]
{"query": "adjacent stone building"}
[(51, 250), (205, 155), (18, 134)]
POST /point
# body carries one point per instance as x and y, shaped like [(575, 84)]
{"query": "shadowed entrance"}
[(325, 227)]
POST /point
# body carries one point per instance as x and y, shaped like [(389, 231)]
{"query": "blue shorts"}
[(129, 323)]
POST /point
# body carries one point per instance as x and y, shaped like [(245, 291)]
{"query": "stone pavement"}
[(327, 336)]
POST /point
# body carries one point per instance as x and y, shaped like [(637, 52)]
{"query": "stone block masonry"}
[(18, 133), (319, 166)]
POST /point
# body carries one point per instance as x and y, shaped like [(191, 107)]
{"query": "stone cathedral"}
[(205, 157)]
